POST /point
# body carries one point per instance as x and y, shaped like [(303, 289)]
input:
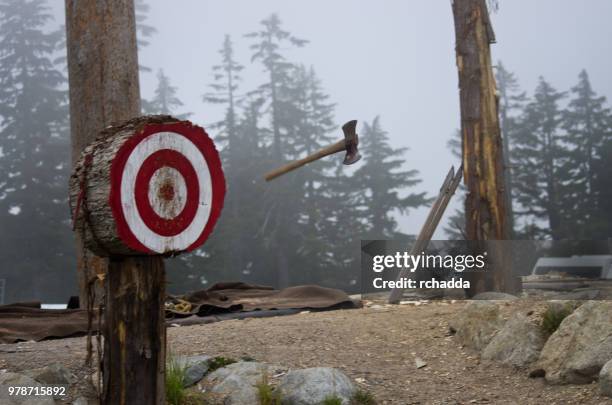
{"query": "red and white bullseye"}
[(167, 192), (171, 189)]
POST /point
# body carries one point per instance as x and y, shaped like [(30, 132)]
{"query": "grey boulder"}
[(238, 382), (605, 379), (14, 379), (477, 324), (196, 368), (576, 352), (517, 344), (312, 386)]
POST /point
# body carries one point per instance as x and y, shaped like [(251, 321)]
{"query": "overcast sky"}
[(393, 58)]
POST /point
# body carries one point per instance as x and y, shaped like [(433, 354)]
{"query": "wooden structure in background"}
[(483, 160), (451, 182)]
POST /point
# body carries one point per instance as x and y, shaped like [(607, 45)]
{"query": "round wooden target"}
[(167, 188)]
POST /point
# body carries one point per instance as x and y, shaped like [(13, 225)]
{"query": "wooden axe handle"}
[(330, 150)]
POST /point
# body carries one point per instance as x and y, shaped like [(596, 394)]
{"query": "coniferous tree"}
[(279, 219), (601, 183), (539, 162), (313, 123), (165, 100), (270, 38), (586, 122), (227, 248), (383, 180), (223, 92), (34, 157), (344, 227), (143, 30), (511, 101)]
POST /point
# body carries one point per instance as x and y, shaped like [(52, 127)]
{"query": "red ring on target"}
[(158, 160), (179, 146)]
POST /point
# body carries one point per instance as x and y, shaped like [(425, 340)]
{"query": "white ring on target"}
[(181, 144), (172, 208)]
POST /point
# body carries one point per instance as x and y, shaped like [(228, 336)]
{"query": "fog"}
[(394, 59)]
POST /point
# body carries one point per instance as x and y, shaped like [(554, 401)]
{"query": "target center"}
[(167, 192)]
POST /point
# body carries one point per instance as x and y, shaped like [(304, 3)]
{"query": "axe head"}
[(351, 141)]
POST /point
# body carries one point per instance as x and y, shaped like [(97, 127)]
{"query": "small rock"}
[(80, 401), (605, 379), (195, 368), (53, 374), (419, 363), (311, 386), (14, 379), (517, 344)]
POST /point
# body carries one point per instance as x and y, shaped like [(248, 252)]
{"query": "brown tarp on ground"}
[(20, 322)]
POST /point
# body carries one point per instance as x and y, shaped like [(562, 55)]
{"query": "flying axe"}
[(348, 144)]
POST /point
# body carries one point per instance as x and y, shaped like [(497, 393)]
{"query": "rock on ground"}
[(605, 379), (517, 344), (53, 374), (311, 386), (238, 382), (15, 379), (195, 368), (577, 351), (477, 323)]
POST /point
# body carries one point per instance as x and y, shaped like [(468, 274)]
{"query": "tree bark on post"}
[(104, 88), (483, 161), (135, 332)]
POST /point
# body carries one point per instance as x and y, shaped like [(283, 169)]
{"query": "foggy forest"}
[(305, 228)]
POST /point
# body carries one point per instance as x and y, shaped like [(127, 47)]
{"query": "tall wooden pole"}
[(483, 160), (104, 88)]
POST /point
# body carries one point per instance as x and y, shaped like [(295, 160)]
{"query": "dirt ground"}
[(376, 346)]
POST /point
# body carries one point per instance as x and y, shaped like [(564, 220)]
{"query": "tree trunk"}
[(104, 88), (134, 332), (483, 162)]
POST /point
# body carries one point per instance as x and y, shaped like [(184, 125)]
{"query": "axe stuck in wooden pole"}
[(348, 144)]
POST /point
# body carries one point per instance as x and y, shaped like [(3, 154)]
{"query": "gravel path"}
[(376, 346)]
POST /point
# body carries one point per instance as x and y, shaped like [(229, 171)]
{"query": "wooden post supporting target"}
[(147, 188)]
